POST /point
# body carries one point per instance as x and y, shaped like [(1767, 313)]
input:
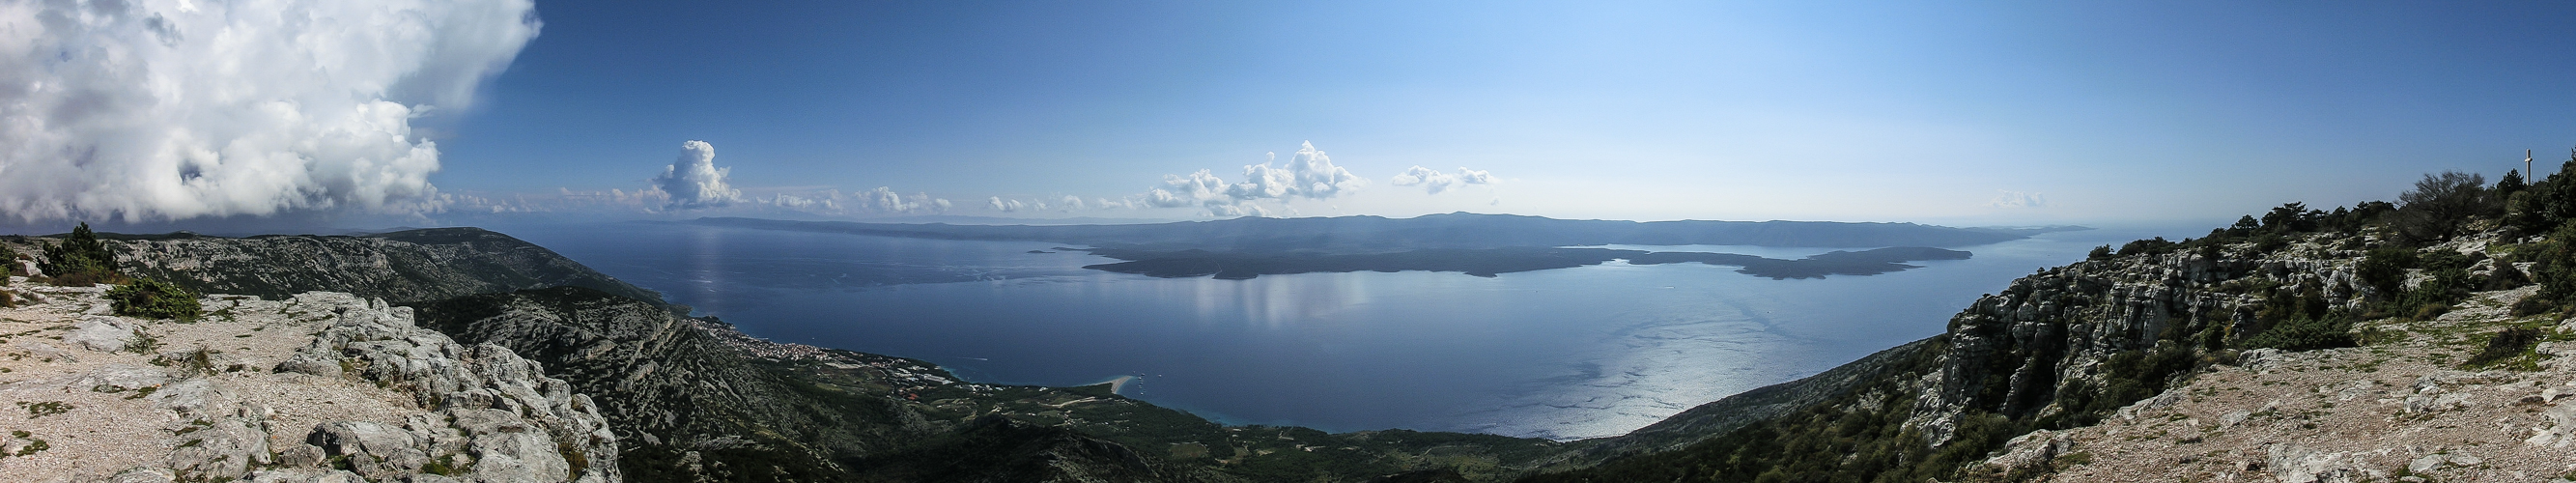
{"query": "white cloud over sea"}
[(694, 181), (1433, 181), (1309, 174), (2017, 199), (168, 109)]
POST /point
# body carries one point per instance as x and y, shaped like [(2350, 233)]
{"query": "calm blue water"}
[(1562, 354)]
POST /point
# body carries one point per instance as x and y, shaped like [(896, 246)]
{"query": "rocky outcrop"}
[(496, 417), (2400, 409), (317, 387), (2015, 351)]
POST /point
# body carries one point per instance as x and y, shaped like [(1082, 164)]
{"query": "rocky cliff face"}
[(2014, 352), (315, 387)]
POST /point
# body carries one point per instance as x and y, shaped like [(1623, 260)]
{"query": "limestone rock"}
[(2297, 464), (45, 352), (2259, 360), (392, 401), (2032, 450), (514, 422), (103, 334)]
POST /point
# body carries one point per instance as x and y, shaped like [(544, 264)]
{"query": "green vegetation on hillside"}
[(81, 259)]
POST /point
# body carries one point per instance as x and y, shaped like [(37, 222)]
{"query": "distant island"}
[(1374, 234), (1493, 261), (1474, 244)]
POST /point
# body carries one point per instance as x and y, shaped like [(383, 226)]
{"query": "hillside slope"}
[(2325, 347), (404, 266)]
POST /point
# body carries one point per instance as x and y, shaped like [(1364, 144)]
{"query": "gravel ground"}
[(99, 412)]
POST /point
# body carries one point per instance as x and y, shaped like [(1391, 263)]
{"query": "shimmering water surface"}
[(1566, 353)]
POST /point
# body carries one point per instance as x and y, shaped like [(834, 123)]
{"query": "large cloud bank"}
[(165, 109), (1309, 174), (694, 181)]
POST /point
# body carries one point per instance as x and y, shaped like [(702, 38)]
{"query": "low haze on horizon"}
[(1988, 113)]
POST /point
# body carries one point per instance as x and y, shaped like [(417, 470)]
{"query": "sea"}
[(1561, 354)]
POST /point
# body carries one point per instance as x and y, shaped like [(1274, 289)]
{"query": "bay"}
[(1563, 354)]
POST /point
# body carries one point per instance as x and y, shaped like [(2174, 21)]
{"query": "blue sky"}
[(2087, 112)]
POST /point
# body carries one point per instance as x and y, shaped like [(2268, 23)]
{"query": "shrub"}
[(80, 260), (2270, 242), (2385, 268), (2439, 203), (2505, 277), (2157, 245), (2553, 199), (2099, 253), (2290, 217), (2522, 210), (2508, 344), (154, 299), (2533, 305)]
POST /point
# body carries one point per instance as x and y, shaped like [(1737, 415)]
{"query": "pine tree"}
[(80, 255)]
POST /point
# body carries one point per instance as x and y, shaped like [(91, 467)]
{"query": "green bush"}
[(155, 299), (2440, 202), (2152, 246), (2511, 343), (80, 260), (2554, 268), (2385, 268)]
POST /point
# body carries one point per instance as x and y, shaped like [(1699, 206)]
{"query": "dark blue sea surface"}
[(1565, 353)]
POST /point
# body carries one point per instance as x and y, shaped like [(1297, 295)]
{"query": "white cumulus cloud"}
[(1433, 181), (1309, 174), (1006, 206), (1198, 189), (880, 201), (1470, 176), (166, 109), (694, 181), (2016, 199)]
